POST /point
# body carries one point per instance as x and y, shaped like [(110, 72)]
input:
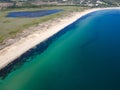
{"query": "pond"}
[(32, 14)]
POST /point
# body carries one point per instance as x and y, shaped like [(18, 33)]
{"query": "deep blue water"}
[(32, 14), (84, 56)]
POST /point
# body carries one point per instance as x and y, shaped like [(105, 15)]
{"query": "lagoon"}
[(32, 14), (83, 56)]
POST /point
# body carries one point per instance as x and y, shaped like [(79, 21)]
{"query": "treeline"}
[(65, 2), (70, 1), (5, 0)]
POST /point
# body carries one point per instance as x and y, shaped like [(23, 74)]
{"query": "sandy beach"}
[(10, 53)]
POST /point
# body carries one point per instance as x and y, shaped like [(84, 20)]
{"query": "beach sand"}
[(10, 53)]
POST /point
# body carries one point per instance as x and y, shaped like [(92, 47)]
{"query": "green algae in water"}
[(85, 58)]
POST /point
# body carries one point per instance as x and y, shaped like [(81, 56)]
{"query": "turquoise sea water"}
[(86, 57)]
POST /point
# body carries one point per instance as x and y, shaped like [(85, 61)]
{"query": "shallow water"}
[(32, 14), (86, 57)]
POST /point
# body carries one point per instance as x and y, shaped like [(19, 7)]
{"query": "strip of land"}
[(10, 53)]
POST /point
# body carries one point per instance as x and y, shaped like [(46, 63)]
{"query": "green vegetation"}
[(93, 3), (9, 27)]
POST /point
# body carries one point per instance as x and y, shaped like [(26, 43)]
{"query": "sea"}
[(83, 56)]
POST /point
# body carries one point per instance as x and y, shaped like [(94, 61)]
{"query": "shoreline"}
[(12, 52)]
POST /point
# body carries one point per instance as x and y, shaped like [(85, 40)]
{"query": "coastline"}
[(10, 53)]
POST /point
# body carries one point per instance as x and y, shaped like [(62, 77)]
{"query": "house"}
[(4, 5)]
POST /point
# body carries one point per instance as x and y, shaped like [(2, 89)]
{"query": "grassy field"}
[(9, 27)]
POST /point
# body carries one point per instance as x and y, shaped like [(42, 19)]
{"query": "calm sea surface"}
[(86, 57)]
